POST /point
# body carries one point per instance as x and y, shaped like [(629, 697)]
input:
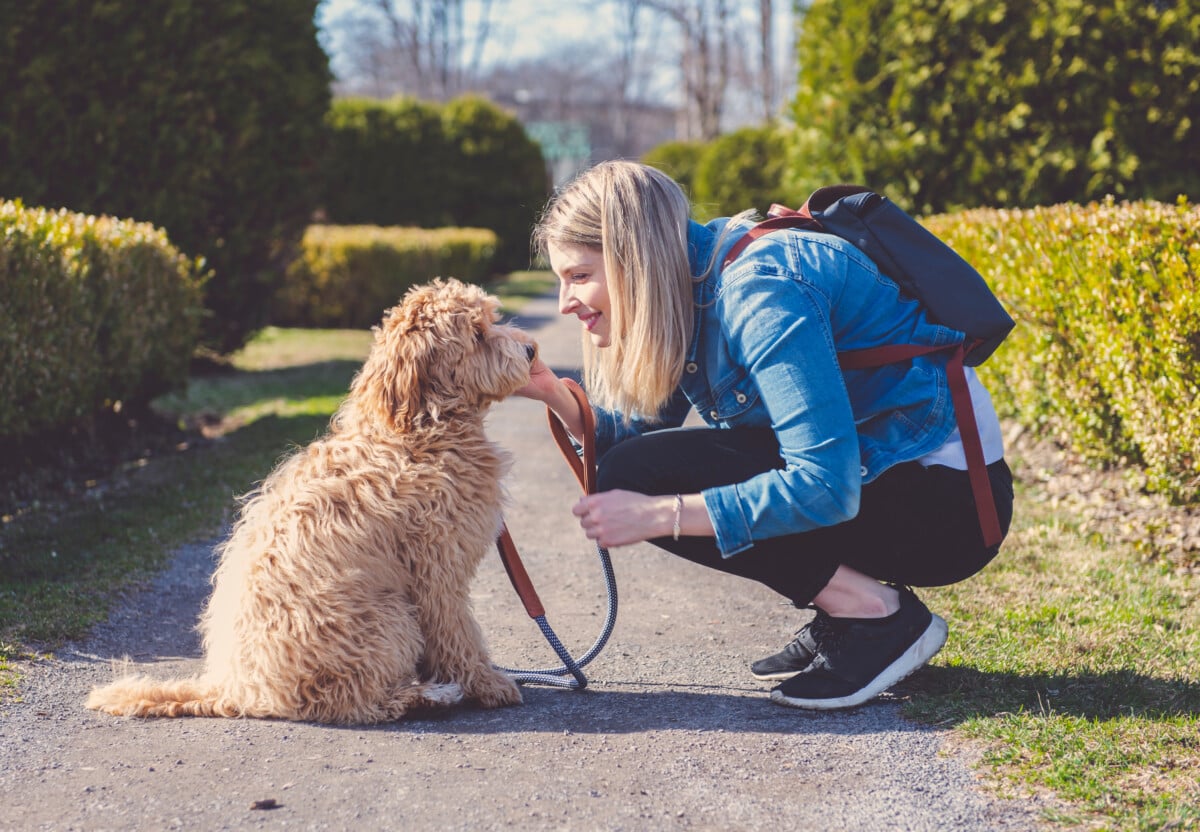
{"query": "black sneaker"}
[(796, 656), (859, 658)]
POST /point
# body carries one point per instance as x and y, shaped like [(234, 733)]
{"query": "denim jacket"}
[(764, 353)]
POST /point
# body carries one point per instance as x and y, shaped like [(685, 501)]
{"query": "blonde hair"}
[(637, 218)]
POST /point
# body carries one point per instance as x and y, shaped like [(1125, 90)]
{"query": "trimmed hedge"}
[(95, 311), (1105, 355), (347, 276), (387, 164), (740, 170), (678, 160), (464, 163), (498, 179)]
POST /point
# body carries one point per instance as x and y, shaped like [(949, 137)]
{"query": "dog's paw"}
[(443, 695), (496, 690)]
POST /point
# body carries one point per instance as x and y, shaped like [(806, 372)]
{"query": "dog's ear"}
[(388, 388)]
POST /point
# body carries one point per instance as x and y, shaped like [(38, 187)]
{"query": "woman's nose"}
[(566, 300)]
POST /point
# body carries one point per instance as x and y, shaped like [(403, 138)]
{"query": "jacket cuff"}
[(729, 522)]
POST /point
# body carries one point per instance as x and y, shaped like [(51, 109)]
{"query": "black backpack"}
[(951, 290)]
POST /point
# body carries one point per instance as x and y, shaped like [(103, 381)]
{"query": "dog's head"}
[(440, 354)]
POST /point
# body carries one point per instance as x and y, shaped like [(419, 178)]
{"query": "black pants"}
[(915, 525)]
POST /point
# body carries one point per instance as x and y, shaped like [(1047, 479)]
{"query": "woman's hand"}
[(548, 389), (543, 384), (619, 518)]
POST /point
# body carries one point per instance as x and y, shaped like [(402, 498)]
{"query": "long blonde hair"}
[(637, 218)]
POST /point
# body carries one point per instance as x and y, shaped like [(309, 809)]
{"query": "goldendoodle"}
[(342, 591)]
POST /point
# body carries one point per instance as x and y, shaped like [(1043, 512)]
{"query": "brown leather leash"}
[(584, 468)]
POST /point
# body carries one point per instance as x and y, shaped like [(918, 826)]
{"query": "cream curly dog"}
[(342, 592)]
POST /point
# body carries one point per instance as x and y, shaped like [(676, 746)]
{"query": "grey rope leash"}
[(585, 472)]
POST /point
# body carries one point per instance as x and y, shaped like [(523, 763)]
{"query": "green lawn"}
[(1074, 665)]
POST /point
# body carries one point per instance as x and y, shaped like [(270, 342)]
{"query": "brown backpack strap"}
[(964, 415), (777, 221)]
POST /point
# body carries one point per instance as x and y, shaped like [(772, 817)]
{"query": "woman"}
[(836, 489)]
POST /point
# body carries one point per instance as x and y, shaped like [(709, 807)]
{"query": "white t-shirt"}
[(951, 452)]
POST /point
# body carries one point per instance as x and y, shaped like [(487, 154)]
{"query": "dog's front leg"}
[(455, 651)]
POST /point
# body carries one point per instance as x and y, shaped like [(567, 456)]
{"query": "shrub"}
[(466, 163), (970, 103), (201, 118), (96, 311), (679, 160), (347, 276), (388, 164), (1104, 356), (740, 170), (498, 178)]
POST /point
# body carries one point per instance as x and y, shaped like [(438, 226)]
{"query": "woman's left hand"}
[(619, 518)]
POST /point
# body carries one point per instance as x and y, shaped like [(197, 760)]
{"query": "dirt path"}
[(673, 732)]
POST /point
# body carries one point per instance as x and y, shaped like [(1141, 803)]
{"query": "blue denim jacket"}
[(764, 353)]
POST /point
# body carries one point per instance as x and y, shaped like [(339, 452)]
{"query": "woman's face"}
[(583, 288)]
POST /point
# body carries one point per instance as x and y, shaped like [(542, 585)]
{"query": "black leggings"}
[(915, 525)]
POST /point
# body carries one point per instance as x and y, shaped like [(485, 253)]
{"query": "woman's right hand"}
[(547, 388), (543, 383)]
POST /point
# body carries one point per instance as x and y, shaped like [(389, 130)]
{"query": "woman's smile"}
[(583, 288)]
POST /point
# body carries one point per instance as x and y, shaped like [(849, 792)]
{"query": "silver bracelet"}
[(678, 513)]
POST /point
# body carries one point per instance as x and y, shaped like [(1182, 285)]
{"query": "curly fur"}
[(342, 592)]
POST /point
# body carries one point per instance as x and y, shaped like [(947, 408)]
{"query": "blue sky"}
[(521, 29)]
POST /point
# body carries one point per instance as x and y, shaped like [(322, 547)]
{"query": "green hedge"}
[(95, 311), (204, 119), (678, 160), (740, 170), (388, 163), (968, 103), (498, 179), (464, 163), (1104, 356), (347, 276)]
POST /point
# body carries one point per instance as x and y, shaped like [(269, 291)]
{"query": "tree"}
[(205, 119), (705, 27), (422, 48), (1028, 102)]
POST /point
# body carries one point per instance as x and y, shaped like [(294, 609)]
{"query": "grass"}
[(1077, 666), (1072, 664)]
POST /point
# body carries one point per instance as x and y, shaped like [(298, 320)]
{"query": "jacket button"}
[(691, 367), (741, 397), (863, 470), (714, 414)]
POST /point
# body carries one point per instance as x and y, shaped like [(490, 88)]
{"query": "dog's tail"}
[(142, 696)]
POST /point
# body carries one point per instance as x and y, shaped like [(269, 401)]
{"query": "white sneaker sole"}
[(913, 659), (775, 677)]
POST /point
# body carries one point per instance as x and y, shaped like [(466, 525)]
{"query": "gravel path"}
[(673, 733)]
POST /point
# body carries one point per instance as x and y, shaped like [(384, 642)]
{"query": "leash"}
[(585, 471)]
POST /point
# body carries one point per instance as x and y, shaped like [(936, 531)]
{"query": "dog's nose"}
[(531, 352)]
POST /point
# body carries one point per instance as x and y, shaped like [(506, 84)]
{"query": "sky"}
[(520, 29), (525, 29)]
